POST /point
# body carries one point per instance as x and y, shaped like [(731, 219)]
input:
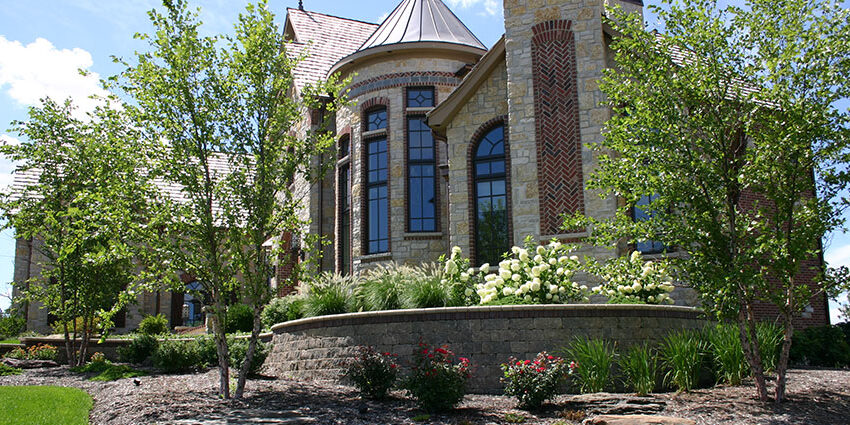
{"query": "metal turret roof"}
[(422, 20)]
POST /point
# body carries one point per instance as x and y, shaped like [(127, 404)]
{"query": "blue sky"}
[(43, 43)]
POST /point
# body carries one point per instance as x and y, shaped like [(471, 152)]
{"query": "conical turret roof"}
[(422, 20)]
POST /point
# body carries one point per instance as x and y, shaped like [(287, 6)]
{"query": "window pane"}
[(376, 119), (421, 176), (491, 218), (420, 98)]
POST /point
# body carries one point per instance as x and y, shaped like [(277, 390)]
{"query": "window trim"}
[(362, 173), (344, 162)]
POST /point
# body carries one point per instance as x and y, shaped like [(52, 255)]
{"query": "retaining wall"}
[(319, 347)]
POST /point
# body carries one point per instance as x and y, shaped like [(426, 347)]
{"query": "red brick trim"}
[(437, 209), (364, 159), (557, 127), (403, 79), (470, 177)]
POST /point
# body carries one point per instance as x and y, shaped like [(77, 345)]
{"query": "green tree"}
[(730, 119), (88, 212), (224, 107)]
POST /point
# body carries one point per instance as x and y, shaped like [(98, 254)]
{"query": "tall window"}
[(641, 212), (344, 206), (421, 176), (491, 202), (377, 203)]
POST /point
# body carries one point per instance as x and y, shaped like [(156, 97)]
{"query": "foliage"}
[(514, 418), (769, 337), (283, 309), (240, 318), (6, 370), (426, 289), (725, 347), (462, 278), (681, 354), (106, 371), (154, 325), (328, 294), (537, 273), (17, 353), (77, 323), (630, 280), (35, 352), (140, 349), (437, 378), (25, 405), (381, 287), (373, 373), (534, 381), (594, 358), (238, 349), (732, 101), (174, 356), (821, 346), (639, 366), (90, 210), (11, 326)]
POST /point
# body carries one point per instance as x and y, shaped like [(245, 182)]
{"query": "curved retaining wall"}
[(318, 347)]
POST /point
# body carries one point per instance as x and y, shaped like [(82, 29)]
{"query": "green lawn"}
[(10, 341), (44, 405)]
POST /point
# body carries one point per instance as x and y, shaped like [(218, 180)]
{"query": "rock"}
[(636, 420), (29, 364), (614, 404)]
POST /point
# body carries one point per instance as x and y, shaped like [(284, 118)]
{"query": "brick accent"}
[(437, 209), (403, 79), (558, 132), (364, 160), (287, 260), (470, 169)]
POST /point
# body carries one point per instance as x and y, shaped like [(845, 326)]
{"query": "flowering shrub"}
[(373, 373), (438, 378), (632, 280), (18, 353), (36, 352), (534, 381), (535, 274), (462, 278), (98, 358)]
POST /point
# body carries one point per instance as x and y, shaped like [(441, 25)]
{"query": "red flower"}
[(519, 363), (550, 357), (527, 361)]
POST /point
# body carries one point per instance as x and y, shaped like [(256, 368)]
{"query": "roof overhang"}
[(347, 63), (439, 117)]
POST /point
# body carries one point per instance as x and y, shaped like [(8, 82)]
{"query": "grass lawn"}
[(10, 341), (107, 371), (44, 405)]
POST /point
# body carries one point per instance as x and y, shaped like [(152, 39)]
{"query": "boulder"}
[(29, 364), (636, 420)]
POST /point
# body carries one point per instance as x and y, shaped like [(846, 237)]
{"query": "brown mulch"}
[(814, 397)]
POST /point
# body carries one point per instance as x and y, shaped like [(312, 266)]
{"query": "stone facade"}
[(319, 347)]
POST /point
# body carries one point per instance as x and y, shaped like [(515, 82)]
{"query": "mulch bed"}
[(814, 397)]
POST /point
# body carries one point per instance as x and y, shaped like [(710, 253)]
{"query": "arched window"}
[(491, 198), (377, 173)]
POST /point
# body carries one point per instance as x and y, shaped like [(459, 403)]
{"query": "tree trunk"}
[(782, 365), (69, 349), (751, 352), (249, 356), (219, 316)]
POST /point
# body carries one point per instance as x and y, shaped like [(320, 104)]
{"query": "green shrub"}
[(769, 336), (436, 381), (43, 352), (681, 355), (172, 356), (426, 290), (820, 346), (59, 327), (594, 357), (534, 381), (282, 309), (17, 353), (11, 326), (639, 366), (154, 325), (107, 371), (140, 349), (329, 294), (6, 370), (382, 287), (207, 351), (238, 349), (373, 373), (724, 341), (240, 318)]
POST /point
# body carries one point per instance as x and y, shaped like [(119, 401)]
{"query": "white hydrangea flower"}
[(538, 258), (556, 298), (548, 296), (553, 261), (505, 273), (516, 277), (523, 255), (535, 286), (456, 250), (574, 258), (527, 298), (464, 277), (485, 268), (507, 291), (515, 266), (541, 250), (468, 292)]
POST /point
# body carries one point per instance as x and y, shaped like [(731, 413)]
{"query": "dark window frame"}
[(651, 247), (410, 163), (409, 102), (490, 177)]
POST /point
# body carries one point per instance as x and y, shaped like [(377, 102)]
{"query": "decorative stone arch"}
[(482, 130)]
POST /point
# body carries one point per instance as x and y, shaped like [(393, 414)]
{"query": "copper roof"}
[(324, 40), (422, 20)]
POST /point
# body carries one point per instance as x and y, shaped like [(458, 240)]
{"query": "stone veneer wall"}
[(318, 347)]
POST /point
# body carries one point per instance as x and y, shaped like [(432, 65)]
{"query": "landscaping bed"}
[(815, 397)]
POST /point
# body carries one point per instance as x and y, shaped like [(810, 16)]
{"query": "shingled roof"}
[(325, 39)]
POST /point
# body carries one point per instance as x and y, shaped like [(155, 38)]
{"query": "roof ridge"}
[(332, 16)]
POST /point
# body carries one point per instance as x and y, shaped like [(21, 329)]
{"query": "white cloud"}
[(491, 7), (838, 256), (29, 73)]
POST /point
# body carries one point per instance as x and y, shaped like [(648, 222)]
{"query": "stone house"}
[(447, 142)]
